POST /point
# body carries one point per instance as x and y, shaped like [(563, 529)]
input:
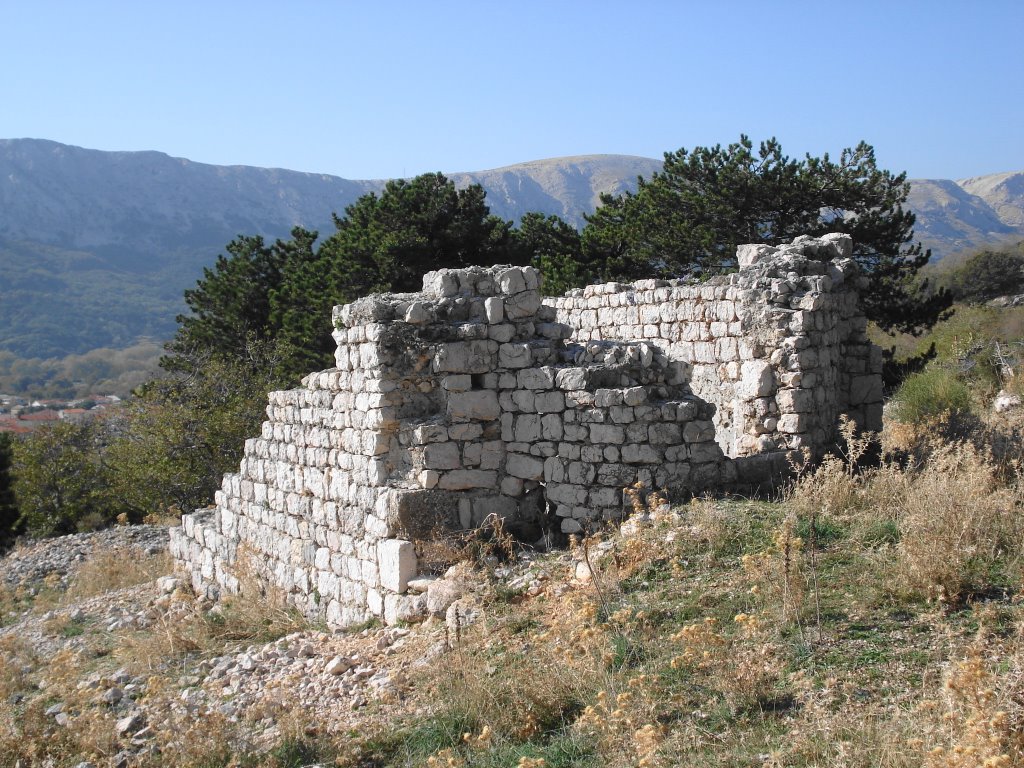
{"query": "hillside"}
[(96, 248), (958, 216)]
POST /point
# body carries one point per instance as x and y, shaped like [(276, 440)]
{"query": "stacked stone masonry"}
[(474, 397)]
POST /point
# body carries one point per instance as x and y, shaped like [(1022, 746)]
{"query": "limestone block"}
[(524, 467), (621, 414), (428, 478), (501, 333), (464, 479), (464, 357), (698, 431), (471, 454), (865, 389), (570, 525), (441, 456), (616, 475), (549, 402), (441, 594), (554, 330), (523, 400), (551, 427), (566, 494), (404, 608), (470, 431), (492, 453), (670, 434), (532, 277), (396, 560), (536, 378), (581, 472), (795, 400), (511, 281), (501, 506), (607, 433), (634, 395), (440, 284), (793, 423), (374, 602), (494, 308), (527, 428), (756, 379), (605, 398), (634, 453), (701, 453), (481, 405), (841, 244), (458, 382), (514, 356), (512, 486), (571, 378), (522, 305), (749, 255)]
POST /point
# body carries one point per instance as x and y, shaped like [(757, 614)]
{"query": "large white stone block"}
[(396, 559), (756, 379)]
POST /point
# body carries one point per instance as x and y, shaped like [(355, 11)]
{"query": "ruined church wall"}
[(472, 397), (779, 348)]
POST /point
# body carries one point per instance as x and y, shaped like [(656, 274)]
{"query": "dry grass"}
[(961, 529), (192, 628), (116, 569), (803, 633), (871, 618), (186, 631), (955, 519)]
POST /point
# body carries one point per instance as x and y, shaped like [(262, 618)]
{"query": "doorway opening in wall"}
[(477, 380), (537, 526)]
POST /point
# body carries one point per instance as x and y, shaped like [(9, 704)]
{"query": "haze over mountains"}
[(97, 247)]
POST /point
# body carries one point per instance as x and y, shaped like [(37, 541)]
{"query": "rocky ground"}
[(110, 652)]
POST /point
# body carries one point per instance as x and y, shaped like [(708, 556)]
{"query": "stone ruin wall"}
[(779, 348), (475, 397)]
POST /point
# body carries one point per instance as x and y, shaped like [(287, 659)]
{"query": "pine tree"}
[(9, 525), (691, 216)]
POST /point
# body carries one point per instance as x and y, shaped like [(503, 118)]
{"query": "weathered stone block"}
[(524, 467), (396, 562), (757, 379), (865, 389), (494, 308), (536, 378), (481, 405), (468, 431), (514, 355), (549, 402), (441, 456), (795, 400), (793, 423), (464, 479)]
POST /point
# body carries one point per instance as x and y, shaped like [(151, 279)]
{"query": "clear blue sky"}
[(378, 89)]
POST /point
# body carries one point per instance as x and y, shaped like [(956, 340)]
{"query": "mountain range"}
[(96, 248)]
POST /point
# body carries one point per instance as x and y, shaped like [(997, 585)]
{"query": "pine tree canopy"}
[(690, 217)]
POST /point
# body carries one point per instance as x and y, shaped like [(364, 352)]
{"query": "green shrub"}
[(929, 394)]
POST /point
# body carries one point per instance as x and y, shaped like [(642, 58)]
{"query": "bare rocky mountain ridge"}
[(96, 248)]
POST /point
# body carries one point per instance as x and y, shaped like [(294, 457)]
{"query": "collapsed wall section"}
[(473, 398)]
